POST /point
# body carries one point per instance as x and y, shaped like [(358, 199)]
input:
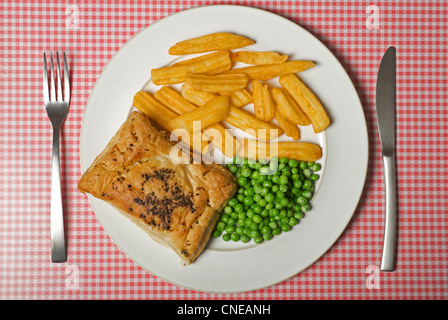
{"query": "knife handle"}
[(390, 225)]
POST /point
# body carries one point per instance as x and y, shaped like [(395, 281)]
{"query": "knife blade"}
[(385, 108)]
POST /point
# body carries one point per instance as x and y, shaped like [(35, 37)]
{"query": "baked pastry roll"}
[(178, 205)]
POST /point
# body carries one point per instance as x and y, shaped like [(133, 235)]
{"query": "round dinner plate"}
[(225, 266)]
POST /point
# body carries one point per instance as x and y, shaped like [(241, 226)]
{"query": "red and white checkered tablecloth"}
[(92, 31)]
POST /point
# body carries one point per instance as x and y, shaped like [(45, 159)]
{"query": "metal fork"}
[(57, 106)]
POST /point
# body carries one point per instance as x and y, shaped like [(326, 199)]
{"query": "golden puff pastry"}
[(178, 205)]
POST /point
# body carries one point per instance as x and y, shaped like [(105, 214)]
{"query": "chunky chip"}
[(269, 71), (307, 101), (239, 98), (250, 124), (217, 134), (290, 128), (210, 42), (302, 151), (162, 116), (258, 57), (263, 104), (288, 108), (209, 64), (217, 83), (202, 117)]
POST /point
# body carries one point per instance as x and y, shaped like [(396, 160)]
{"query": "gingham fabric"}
[(92, 31)]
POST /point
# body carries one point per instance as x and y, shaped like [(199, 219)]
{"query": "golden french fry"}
[(226, 143), (290, 128), (202, 58), (202, 117), (288, 108), (302, 151), (217, 83), (258, 57), (263, 105), (156, 111), (210, 42), (250, 124), (269, 71), (212, 64), (239, 98), (197, 97), (173, 100), (307, 101)]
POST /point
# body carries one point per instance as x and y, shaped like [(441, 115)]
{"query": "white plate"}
[(228, 267)]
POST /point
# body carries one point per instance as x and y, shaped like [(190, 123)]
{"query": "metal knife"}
[(385, 108)]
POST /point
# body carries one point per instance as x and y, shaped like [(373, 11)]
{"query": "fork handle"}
[(57, 214)]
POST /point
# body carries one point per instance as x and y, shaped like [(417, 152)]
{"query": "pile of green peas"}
[(272, 197)]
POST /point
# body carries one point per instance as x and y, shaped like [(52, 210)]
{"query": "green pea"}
[(221, 226), (237, 160), (293, 163), (233, 202), (293, 221), (307, 173), (303, 165), (267, 236), (283, 160), (233, 168), (225, 218), (258, 239), (228, 209), (306, 208), (277, 231), (301, 200), (235, 237), (265, 170), (256, 218), (257, 197), (283, 179), (216, 233), (248, 201), (306, 184), (262, 202), (246, 172), (273, 225), (239, 207), (242, 181), (244, 238), (307, 194), (284, 202), (297, 184), (285, 227), (298, 215), (254, 234), (226, 237), (314, 177), (269, 197), (316, 167)]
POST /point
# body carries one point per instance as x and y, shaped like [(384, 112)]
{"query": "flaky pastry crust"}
[(178, 205)]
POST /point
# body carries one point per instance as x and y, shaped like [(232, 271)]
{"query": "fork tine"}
[(66, 81), (58, 70), (53, 89), (45, 82)]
